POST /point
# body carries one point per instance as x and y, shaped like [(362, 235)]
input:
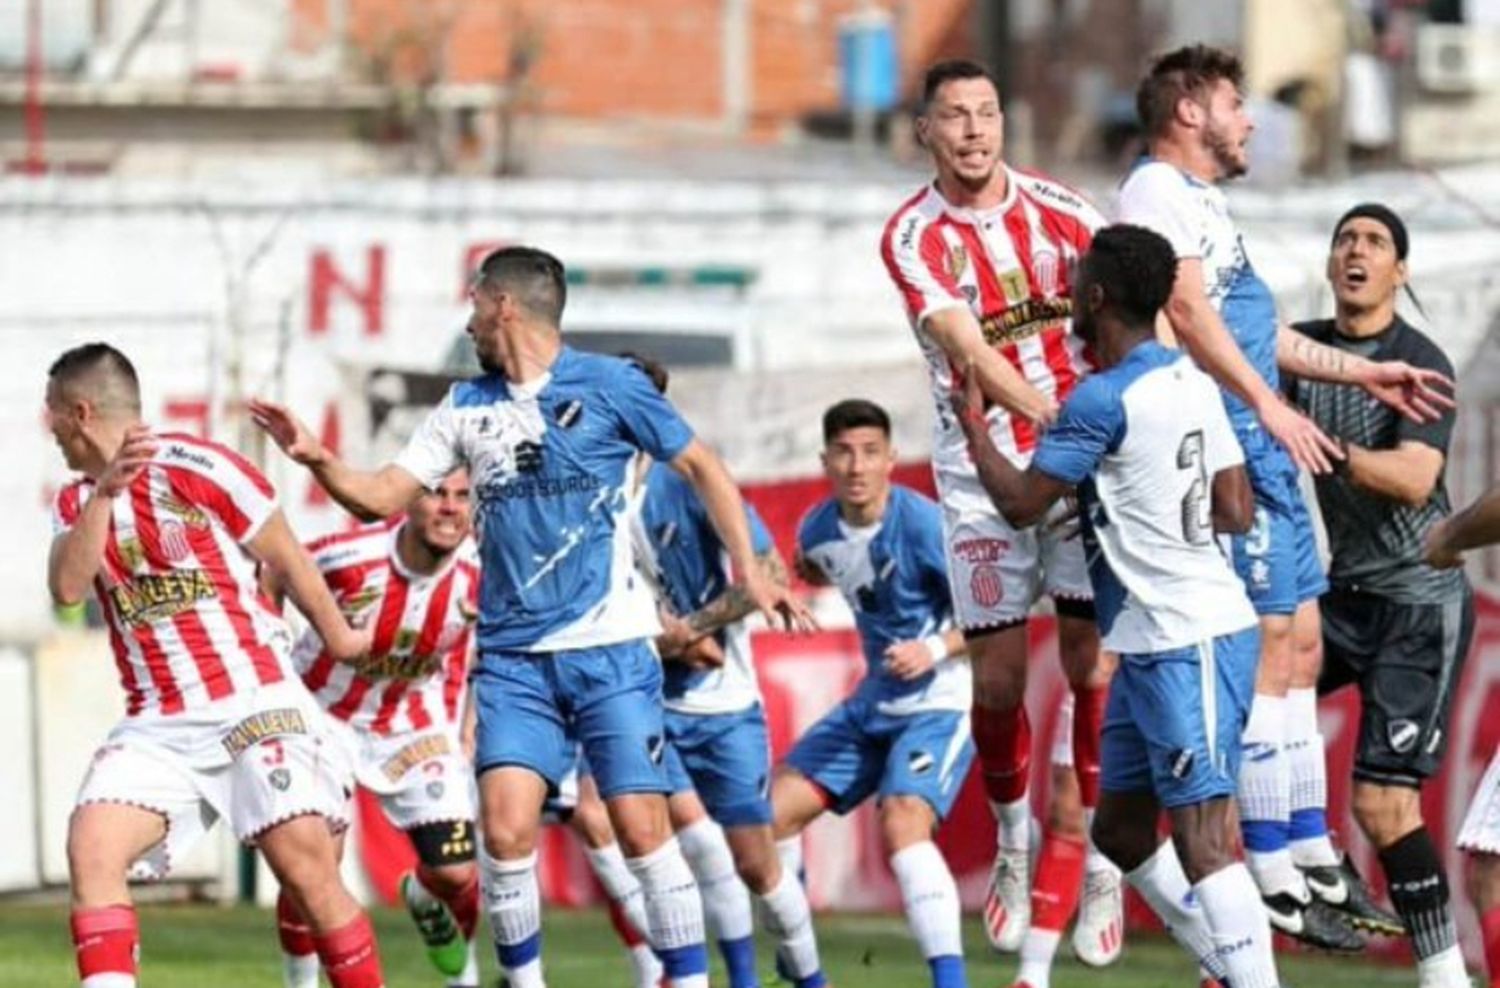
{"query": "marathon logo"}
[(908, 235), (258, 727), (1025, 319), (411, 755), (177, 451), (155, 597)]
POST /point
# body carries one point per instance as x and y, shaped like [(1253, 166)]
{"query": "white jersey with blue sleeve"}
[(1142, 441), (894, 577), (679, 549), (1194, 218), (550, 466)]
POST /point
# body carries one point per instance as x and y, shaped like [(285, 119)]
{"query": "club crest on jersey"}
[(920, 762), (1045, 265), (569, 412), (1181, 764), (958, 261), (174, 541), (986, 585)]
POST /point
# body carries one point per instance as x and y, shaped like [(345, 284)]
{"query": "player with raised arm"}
[(981, 257), (1395, 626), (548, 434), (719, 752), (398, 711), (1192, 111), (167, 530), (1147, 445), (903, 736)]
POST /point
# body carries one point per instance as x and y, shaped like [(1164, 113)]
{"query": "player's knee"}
[(905, 820), (759, 869), (1122, 838), (448, 880), (93, 862), (1065, 808), (1385, 813), (641, 822)]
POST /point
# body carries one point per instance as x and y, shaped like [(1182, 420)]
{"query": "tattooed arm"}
[(1420, 394), (734, 604)]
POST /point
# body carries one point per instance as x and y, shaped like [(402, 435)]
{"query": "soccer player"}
[(1394, 625), (718, 753), (1148, 446), (1475, 526), (548, 434), (903, 736), (167, 531), (1192, 111), (981, 257), (397, 711)]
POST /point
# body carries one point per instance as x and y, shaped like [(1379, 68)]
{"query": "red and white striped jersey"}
[(187, 621), (1012, 266), (422, 623)]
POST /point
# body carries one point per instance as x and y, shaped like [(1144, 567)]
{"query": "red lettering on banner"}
[(325, 280), (330, 434), (193, 411), (473, 255)]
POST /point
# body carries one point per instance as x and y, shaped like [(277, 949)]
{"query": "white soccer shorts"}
[(420, 777), (1481, 827)]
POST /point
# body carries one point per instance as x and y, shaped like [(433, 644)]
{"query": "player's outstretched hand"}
[(1308, 446), (295, 439), (1420, 394), (909, 660), (1436, 550), (128, 462), (782, 608)]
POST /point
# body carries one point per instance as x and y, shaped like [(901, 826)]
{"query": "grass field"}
[(205, 947)]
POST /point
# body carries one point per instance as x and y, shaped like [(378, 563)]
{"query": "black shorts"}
[(1407, 659)]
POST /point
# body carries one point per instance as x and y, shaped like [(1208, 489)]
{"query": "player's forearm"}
[(369, 495), (1474, 526), (78, 553), (1300, 356), (1005, 485), (957, 332), (734, 604), (1396, 474), (1205, 337), (293, 570)]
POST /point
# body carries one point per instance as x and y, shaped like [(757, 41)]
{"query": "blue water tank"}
[(869, 70)]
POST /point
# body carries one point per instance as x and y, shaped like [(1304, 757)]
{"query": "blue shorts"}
[(532, 707), (1173, 722), (856, 750), (1278, 558), (726, 758)]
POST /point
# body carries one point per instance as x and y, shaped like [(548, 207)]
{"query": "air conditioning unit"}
[(1458, 58)]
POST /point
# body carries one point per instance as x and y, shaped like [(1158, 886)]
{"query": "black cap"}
[(1380, 214)]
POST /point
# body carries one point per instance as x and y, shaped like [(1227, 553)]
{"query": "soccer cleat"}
[(1007, 900), (1341, 887), (1099, 934), (1314, 923), (446, 947)]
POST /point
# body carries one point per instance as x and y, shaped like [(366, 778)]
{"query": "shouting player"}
[(1192, 111), (903, 736), (548, 434), (1148, 446), (415, 584), (167, 531), (1394, 625), (981, 257)]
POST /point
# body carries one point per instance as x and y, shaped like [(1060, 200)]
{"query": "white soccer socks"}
[(1241, 932), (674, 914), (1162, 883), (514, 907), (726, 901), (1265, 799), (1308, 766), (930, 898)]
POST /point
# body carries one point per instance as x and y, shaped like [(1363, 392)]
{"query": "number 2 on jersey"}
[(1197, 514)]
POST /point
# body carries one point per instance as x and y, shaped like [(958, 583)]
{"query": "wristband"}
[(936, 646)]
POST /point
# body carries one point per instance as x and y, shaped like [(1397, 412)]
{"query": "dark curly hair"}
[(1186, 73), (1135, 267)]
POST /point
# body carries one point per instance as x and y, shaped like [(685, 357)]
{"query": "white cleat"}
[(1007, 900), (1099, 934)]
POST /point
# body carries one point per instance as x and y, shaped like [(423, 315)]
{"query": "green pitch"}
[(205, 947)]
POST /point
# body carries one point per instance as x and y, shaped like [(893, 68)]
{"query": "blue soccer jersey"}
[(1142, 441), (680, 550), (550, 466), (894, 576)]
